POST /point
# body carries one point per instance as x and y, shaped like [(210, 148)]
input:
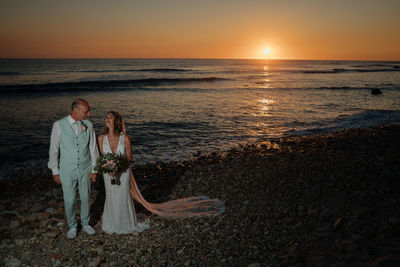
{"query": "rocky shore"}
[(321, 200)]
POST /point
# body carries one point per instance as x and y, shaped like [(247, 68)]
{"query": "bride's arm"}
[(100, 139), (128, 148)]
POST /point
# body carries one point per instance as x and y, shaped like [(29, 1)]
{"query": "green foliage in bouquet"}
[(111, 164)]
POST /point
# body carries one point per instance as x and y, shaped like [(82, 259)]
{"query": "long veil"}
[(179, 208)]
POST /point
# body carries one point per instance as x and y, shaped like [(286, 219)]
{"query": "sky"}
[(289, 29)]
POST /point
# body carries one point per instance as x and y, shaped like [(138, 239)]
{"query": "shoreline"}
[(329, 198)]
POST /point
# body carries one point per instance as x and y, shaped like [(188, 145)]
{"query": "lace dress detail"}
[(119, 211)]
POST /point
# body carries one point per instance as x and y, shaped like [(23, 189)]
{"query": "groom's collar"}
[(70, 119)]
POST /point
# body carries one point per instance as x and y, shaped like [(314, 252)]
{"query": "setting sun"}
[(266, 51)]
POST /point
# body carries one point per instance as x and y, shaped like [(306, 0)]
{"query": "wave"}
[(261, 73), (164, 70), (178, 126), (101, 85), (383, 86), (363, 120), (334, 71), (374, 65), (11, 73)]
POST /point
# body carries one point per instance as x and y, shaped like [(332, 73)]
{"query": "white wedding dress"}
[(119, 212)]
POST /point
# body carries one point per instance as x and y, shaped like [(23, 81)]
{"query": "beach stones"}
[(12, 262), (291, 206)]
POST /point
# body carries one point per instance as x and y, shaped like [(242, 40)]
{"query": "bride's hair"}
[(117, 123)]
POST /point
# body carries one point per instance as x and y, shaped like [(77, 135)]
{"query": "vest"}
[(74, 150)]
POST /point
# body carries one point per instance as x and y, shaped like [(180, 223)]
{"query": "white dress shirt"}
[(54, 151)]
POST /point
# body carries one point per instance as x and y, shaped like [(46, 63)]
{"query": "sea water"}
[(176, 109)]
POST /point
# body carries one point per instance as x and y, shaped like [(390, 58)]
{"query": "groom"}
[(72, 157)]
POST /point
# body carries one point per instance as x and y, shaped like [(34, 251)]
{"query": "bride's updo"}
[(118, 123)]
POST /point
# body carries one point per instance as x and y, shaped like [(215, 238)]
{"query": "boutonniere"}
[(84, 126)]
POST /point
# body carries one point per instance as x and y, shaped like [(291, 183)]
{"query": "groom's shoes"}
[(89, 230), (71, 233)]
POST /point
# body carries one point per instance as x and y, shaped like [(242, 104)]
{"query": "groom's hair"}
[(77, 102)]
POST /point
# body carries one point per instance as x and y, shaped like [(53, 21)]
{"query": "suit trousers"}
[(70, 180)]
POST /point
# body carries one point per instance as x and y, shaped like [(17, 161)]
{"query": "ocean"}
[(177, 109)]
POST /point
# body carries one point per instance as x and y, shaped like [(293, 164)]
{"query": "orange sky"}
[(313, 29)]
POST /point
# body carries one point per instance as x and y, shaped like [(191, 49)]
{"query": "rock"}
[(325, 213), (14, 224), (37, 207), (42, 215), (19, 242), (376, 92), (12, 262), (337, 223), (367, 230), (313, 212), (256, 264), (31, 218), (95, 262), (43, 224), (97, 250), (394, 220), (50, 234), (388, 261), (181, 251), (51, 211), (355, 237), (301, 208), (296, 253), (4, 243), (352, 248)]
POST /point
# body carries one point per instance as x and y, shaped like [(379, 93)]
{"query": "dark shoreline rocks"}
[(376, 91), (328, 199)]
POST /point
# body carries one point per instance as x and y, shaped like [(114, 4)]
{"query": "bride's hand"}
[(92, 177), (56, 179)]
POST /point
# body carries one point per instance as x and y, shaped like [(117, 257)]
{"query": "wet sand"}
[(326, 199)]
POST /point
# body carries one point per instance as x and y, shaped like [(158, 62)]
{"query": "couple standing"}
[(72, 158)]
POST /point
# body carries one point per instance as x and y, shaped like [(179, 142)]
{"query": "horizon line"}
[(201, 58)]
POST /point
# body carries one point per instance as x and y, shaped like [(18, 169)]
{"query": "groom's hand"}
[(92, 177), (56, 179)]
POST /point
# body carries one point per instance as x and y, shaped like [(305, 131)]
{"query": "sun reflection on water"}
[(266, 80), (265, 105)]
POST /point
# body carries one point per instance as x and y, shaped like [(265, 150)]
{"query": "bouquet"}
[(111, 164)]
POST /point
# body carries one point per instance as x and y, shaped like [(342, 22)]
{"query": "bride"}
[(119, 212)]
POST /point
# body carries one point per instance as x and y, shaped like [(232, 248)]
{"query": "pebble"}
[(394, 220), (14, 224), (19, 242), (337, 223), (95, 262), (51, 211), (42, 215), (50, 234), (12, 262)]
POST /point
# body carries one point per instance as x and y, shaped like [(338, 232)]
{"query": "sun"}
[(266, 51)]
